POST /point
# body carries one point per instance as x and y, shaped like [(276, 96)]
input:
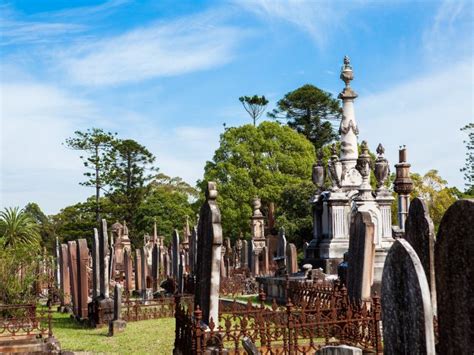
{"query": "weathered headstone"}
[(419, 232), (104, 255), (291, 258), (143, 269), (72, 261), (82, 278), (407, 314), (209, 256), (175, 254), (454, 265), (155, 266), (65, 295), (193, 251), (117, 325), (266, 261), (244, 261), (127, 259), (138, 270), (360, 271), (95, 265)]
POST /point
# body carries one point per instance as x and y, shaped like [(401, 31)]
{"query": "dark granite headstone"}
[(454, 265), (360, 259), (209, 256), (82, 278), (407, 315), (117, 324), (155, 266), (419, 232), (175, 254), (249, 347)]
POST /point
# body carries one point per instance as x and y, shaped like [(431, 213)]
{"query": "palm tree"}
[(17, 228)]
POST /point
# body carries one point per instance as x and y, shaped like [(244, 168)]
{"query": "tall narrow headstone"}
[(193, 251), (117, 324), (95, 265), (266, 261), (138, 270), (291, 258), (143, 258), (419, 232), (361, 255), (245, 254), (175, 254), (127, 259), (72, 261), (407, 315), (180, 281), (209, 256), (58, 261), (65, 295), (82, 278), (155, 266), (454, 265), (104, 255)]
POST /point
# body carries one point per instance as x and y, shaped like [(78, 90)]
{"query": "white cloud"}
[(162, 49), (426, 114)]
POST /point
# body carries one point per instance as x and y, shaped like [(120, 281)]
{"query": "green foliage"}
[(17, 229), (254, 105), (468, 168), (167, 203), (256, 161), (309, 110), (129, 174), (46, 227)]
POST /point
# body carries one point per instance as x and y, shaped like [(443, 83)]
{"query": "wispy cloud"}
[(161, 49), (426, 114), (317, 18)]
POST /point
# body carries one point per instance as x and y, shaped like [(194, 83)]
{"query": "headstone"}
[(72, 261), (209, 256), (266, 261), (117, 325), (138, 270), (245, 254), (175, 254), (82, 278), (281, 248), (360, 271), (407, 314), (155, 266), (96, 265), (104, 255), (193, 251), (419, 232), (454, 265), (291, 258), (127, 259), (339, 350), (305, 247), (249, 347), (181, 272), (65, 295), (143, 269)]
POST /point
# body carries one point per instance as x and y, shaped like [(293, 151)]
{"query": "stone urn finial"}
[(318, 175), (382, 168), (335, 169), (257, 204)]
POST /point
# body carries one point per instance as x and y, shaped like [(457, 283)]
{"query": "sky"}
[(169, 73)]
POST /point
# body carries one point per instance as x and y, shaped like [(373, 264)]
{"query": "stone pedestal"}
[(116, 326), (101, 312)]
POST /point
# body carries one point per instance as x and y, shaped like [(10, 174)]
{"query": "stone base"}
[(29, 344), (116, 326), (339, 350), (329, 266), (101, 312)]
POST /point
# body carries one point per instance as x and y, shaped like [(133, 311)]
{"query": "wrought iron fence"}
[(277, 329), (134, 310), (25, 320)]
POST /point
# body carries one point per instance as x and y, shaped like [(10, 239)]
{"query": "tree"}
[(256, 161), (309, 111), (18, 229), (254, 105), (96, 145), (130, 169), (167, 203), (46, 228), (468, 168)]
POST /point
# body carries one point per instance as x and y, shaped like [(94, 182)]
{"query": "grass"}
[(154, 336)]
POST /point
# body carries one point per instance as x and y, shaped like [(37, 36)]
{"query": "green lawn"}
[(145, 337)]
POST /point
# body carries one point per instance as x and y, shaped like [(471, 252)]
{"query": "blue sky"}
[(169, 73)]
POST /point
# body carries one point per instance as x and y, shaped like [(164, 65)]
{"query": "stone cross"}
[(407, 315), (361, 254), (291, 258), (419, 232), (82, 278), (209, 256), (72, 261), (175, 254), (65, 295), (454, 265)]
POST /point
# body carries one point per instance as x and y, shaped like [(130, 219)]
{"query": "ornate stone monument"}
[(258, 236)]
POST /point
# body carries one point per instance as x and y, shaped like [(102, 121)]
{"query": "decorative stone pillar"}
[(403, 186), (258, 235), (384, 196)]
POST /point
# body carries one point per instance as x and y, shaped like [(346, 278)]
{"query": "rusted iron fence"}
[(285, 329), (239, 282), (25, 320), (134, 310)]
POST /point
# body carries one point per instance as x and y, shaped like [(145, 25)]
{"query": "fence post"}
[(378, 340), (177, 338), (289, 307), (197, 330)]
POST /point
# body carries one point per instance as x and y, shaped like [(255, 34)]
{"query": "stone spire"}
[(348, 128)]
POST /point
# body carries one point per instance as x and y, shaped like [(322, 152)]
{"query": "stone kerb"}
[(454, 264), (407, 314)]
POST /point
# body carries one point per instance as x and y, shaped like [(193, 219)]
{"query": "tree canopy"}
[(254, 105), (468, 168), (310, 110), (256, 161)]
